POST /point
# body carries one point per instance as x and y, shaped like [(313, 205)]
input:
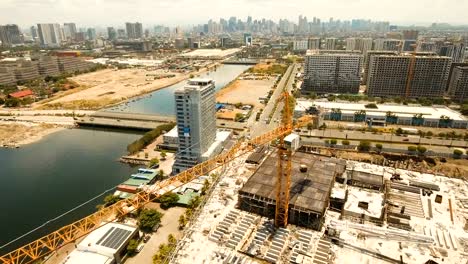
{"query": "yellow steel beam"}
[(70, 233)]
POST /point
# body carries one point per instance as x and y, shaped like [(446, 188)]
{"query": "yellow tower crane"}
[(52, 242)]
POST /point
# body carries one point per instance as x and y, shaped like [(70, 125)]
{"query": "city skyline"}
[(117, 12)]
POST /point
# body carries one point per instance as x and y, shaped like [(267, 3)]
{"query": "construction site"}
[(340, 212)]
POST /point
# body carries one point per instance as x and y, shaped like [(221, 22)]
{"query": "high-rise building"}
[(410, 34), (69, 30), (34, 34), (313, 43), (111, 33), (196, 122), (409, 45), (121, 33), (367, 57), (248, 40), (330, 43), (10, 35), (458, 83), (362, 44), (91, 33), (49, 34), (388, 76), (300, 45), (387, 44), (331, 72), (427, 46), (455, 51), (134, 30)]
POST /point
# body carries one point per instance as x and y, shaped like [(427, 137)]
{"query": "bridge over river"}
[(124, 120)]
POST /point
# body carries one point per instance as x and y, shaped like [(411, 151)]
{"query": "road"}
[(259, 127)]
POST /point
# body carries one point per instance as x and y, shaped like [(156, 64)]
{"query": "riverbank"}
[(16, 134), (110, 87)]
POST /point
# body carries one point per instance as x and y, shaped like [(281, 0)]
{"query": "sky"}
[(191, 12)]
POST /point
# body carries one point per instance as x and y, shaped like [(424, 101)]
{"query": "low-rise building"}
[(407, 115), (73, 64), (48, 66), (26, 71), (105, 245)]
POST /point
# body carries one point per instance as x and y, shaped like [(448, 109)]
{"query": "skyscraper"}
[(313, 43), (196, 122), (331, 72), (330, 43), (49, 34), (111, 33), (458, 84), (134, 30), (69, 30), (362, 44), (388, 76), (91, 33), (10, 35), (388, 44)]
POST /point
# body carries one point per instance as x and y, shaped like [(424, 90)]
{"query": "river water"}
[(43, 180), (161, 102)]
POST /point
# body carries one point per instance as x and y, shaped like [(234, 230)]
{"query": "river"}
[(161, 102), (43, 180)]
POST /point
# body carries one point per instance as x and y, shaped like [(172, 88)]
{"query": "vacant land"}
[(245, 91), (17, 133), (102, 88)]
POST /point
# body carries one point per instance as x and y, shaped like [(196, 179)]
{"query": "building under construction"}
[(310, 189)]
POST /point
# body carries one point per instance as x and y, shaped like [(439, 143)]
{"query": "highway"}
[(264, 123)]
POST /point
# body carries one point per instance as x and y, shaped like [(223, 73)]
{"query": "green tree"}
[(132, 247), (206, 187), (149, 218), (345, 142), (457, 153), (378, 146), (160, 175), (310, 126), (168, 200), (399, 131), (12, 102), (238, 117), (364, 145), (421, 149), (110, 200), (2, 101), (333, 141), (412, 148), (163, 155), (194, 202), (153, 162), (182, 222)]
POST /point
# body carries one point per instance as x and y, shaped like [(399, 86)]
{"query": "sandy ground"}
[(22, 133), (228, 114), (245, 91), (107, 87)]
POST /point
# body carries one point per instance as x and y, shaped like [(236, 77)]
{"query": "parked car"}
[(140, 247), (146, 238)]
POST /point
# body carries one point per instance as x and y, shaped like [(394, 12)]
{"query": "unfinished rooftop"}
[(310, 190)]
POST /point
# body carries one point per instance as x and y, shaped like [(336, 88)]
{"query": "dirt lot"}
[(105, 87), (245, 91), (228, 114), (16, 134)]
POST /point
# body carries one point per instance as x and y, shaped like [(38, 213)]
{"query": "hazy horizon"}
[(192, 12)]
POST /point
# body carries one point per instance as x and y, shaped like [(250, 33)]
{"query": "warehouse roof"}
[(433, 112), (309, 190)]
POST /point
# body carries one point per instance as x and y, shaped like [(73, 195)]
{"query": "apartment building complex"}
[(458, 84), (332, 72), (362, 44), (196, 122), (387, 44), (367, 57), (388, 76)]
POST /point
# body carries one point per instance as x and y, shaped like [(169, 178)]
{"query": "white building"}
[(105, 245), (330, 43), (388, 44), (362, 44), (196, 122), (50, 35), (429, 116), (300, 45)]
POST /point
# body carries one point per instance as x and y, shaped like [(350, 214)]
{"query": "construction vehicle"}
[(70, 233)]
